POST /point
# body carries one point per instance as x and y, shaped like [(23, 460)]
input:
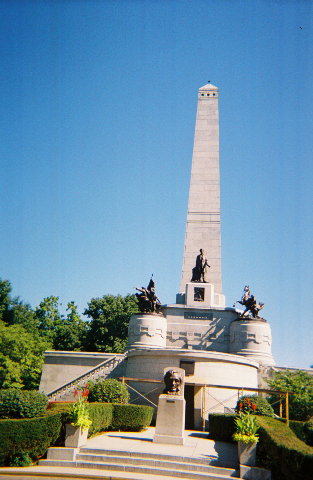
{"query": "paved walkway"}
[(197, 445)]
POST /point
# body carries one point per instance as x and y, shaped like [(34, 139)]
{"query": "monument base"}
[(170, 422)]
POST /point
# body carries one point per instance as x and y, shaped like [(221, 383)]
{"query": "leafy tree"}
[(301, 385), (49, 317), (5, 299), (21, 357), (71, 333), (108, 326)]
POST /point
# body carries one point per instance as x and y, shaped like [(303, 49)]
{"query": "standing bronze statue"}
[(199, 271), (147, 299)]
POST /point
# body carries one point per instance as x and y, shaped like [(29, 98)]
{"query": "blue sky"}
[(97, 118)]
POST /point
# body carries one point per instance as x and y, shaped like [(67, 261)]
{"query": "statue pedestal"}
[(203, 295), (170, 422)]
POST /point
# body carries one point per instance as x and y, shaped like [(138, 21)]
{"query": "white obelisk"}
[(203, 216)]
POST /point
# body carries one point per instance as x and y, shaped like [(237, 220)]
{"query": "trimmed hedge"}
[(130, 417), (282, 452), (303, 430), (16, 403), (222, 426), (278, 449), (34, 436), (101, 415)]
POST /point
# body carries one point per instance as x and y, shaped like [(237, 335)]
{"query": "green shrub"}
[(308, 428), (21, 460), (282, 452), (303, 430), (101, 415), (15, 403), (255, 405), (131, 417), (108, 391), (31, 436), (222, 426)]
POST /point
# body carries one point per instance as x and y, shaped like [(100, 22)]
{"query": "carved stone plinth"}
[(170, 422), (147, 330), (252, 337)]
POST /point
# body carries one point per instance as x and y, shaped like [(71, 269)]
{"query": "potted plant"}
[(247, 438), (77, 430)]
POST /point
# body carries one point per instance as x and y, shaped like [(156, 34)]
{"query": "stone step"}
[(158, 456), (57, 473), (154, 462), (216, 473)]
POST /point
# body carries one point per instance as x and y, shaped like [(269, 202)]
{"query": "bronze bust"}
[(173, 383)]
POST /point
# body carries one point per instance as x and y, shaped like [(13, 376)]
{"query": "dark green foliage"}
[(308, 428), (108, 391), (101, 415), (222, 426), (255, 405), (280, 451), (303, 430), (108, 327), (21, 460), (131, 417), (32, 436), (15, 403), (301, 385)]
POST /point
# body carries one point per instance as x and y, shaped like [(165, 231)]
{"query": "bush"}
[(15, 403), (131, 417), (282, 452), (303, 430), (101, 415), (255, 405), (31, 436), (108, 391), (21, 460), (222, 426)]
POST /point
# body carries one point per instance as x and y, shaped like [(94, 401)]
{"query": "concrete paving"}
[(197, 445)]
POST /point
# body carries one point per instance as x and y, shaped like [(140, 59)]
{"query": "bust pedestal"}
[(170, 422)]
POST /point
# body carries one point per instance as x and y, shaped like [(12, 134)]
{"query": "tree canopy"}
[(25, 333), (299, 383), (108, 327)]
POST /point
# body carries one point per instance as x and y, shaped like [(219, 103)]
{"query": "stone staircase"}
[(143, 464), (66, 392)]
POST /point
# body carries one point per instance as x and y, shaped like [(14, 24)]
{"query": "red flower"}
[(76, 392), (85, 393), (247, 400), (253, 406), (240, 405)]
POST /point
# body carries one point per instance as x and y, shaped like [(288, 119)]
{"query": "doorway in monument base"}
[(190, 407)]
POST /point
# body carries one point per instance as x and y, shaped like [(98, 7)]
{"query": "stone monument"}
[(170, 421), (203, 215)]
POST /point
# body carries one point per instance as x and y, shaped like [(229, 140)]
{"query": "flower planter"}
[(75, 437), (247, 453)]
